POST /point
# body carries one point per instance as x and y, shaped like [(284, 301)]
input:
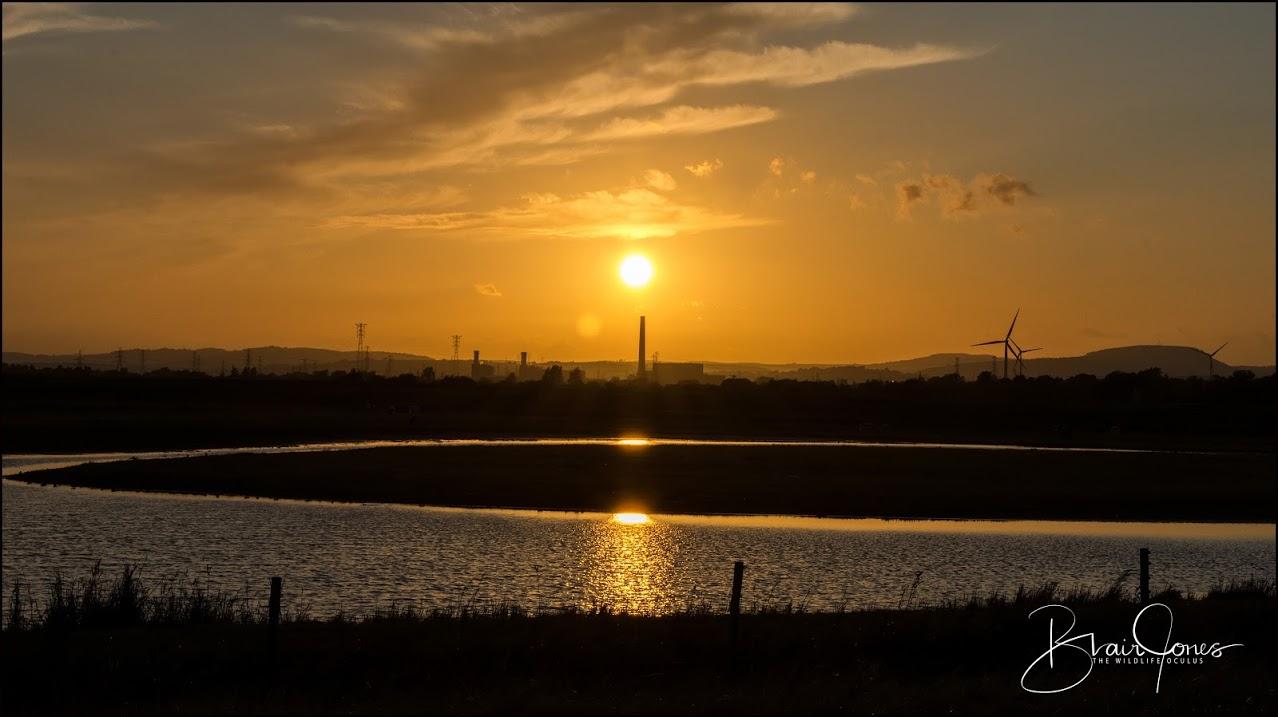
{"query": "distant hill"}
[(1179, 361)]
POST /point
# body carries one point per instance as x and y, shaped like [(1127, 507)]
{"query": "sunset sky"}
[(829, 183)]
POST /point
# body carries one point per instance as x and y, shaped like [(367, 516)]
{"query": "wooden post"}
[(273, 618), (734, 607), (1144, 576), (738, 571)]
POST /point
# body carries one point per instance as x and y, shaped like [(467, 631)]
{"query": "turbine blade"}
[(1009, 328), (989, 343), (1213, 353)]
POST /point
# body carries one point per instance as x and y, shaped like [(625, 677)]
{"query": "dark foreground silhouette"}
[(855, 481), (69, 410), (133, 652)]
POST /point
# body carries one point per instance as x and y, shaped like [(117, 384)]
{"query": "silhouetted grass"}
[(128, 600), (121, 646), (1249, 588)]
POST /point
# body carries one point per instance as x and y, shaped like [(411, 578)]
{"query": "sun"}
[(631, 518), (636, 271)]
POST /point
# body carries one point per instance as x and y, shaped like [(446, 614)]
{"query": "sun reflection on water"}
[(630, 566)]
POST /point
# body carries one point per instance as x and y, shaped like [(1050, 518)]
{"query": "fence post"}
[(1144, 576), (273, 618), (734, 607), (738, 571)]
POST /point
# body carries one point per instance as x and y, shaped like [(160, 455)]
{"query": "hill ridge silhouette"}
[(1179, 361)]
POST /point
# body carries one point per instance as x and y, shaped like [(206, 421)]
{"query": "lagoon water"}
[(359, 557)]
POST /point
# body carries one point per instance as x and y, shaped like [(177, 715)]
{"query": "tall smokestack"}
[(476, 359), (643, 373), (523, 360)]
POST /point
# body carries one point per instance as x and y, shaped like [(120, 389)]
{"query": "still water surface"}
[(357, 557)]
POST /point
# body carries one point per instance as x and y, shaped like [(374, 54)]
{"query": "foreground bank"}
[(851, 481), (203, 655)]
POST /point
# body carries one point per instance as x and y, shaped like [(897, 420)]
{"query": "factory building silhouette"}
[(662, 373)]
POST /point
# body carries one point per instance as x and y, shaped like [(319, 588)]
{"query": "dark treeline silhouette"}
[(67, 409)]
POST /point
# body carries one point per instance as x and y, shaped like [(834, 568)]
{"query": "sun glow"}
[(636, 271), (631, 518)]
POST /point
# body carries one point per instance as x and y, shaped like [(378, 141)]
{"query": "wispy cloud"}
[(789, 179), (705, 168), (525, 88), (795, 14), (423, 37), (22, 19), (659, 180), (957, 199), (800, 67), (636, 213), (590, 66), (1004, 188), (428, 36), (907, 193), (488, 289), (684, 120)]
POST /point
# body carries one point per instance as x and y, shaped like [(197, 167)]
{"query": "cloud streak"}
[(25, 19), (636, 213), (684, 120), (428, 37), (800, 67)]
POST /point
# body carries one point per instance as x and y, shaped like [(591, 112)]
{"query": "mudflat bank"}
[(851, 481)]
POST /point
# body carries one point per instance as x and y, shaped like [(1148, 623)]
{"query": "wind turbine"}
[(1020, 352), (1006, 341), (1211, 360)]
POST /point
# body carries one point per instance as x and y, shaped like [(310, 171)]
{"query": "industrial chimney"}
[(643, 373)]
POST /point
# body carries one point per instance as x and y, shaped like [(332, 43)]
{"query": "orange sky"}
[(812, 183)]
